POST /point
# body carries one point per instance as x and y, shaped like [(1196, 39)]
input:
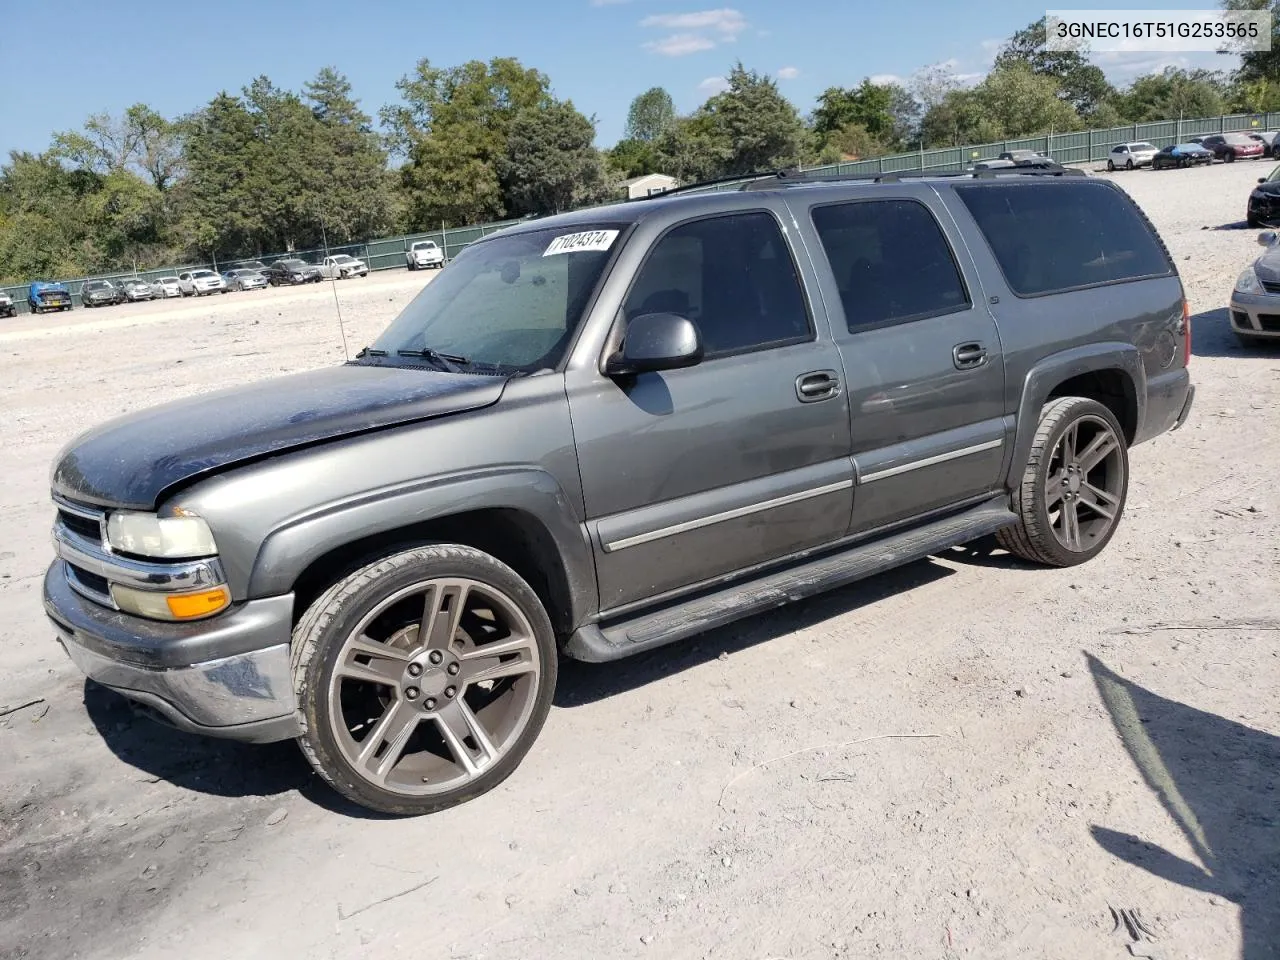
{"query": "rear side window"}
[(1050, 237), (733, 276), (890, 260)]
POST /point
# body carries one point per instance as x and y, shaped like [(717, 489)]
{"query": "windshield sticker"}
[(591, 240)]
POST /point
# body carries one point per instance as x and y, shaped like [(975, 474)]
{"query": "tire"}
[(1111, 167), (1128, 164), (1253, 222), (412, 266), (1230, 157), (388, 598), (1036, 535)]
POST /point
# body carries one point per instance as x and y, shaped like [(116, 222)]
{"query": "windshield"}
[(167, 280), (96, 285), (342, 258), (201, 274), (511, 303), (428, 245), (1239, 138), (1141, 146)]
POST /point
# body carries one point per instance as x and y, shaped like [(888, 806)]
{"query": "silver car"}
[(137, 289), (166, 287), (1255, 301), (243, 279)]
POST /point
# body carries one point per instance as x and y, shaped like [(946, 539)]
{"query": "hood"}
[(130, 461), (1267, 266), (1270, 189)]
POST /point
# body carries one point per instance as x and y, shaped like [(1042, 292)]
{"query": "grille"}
[(84, 526), (1269, 322), (1271, 286), (91, 583)]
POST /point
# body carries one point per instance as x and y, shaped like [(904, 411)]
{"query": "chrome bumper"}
[(225, 677)]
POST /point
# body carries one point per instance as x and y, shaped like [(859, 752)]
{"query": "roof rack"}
[(703, 184), (791, 178)]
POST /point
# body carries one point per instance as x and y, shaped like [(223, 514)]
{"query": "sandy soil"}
[(964, 758)]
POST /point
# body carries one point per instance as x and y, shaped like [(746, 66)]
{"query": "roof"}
[(648, 176)]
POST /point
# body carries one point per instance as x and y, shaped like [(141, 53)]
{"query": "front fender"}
[(291, 548), (1059, 367)]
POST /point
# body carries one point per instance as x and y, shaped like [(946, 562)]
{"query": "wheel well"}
[(516, 538), (1111, 388)]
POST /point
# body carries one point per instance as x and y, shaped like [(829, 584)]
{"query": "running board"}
[(599, 643)]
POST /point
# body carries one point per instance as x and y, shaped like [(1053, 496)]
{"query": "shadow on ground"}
[(1220, 782), (1211, 336)]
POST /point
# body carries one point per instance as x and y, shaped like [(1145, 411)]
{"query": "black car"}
[(291, 271), (1264, 201), (1181, 155)]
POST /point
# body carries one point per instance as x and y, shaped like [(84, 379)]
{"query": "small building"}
[(648, 185)]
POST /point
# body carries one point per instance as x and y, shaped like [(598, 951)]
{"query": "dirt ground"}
[(967, 757)]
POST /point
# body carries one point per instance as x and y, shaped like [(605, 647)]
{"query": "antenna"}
[(324, 236)]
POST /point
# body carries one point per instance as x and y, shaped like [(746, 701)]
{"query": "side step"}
[(596, 643)]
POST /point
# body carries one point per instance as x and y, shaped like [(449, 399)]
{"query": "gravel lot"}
[(966, 757)]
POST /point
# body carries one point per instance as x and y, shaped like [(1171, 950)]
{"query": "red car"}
[(1234, 146)]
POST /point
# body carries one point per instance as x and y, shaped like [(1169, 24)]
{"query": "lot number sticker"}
[(591, 240)]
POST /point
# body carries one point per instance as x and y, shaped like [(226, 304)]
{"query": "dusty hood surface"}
[(131, 460)]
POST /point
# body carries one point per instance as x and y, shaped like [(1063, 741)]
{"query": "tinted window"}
[(732, 276), (1056, 236), (890, 260)]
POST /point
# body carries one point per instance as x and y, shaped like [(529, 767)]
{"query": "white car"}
[(199, 283), (424, 253), (166, 287), (1131, 155), (7, 309), (341, 266)]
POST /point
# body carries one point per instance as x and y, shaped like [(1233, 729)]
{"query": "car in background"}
[(1229, 147), (1181, 155), (244, 279), (293, 270), (1129, 156), (166, 287), (7, 309), (45, 295), (1268, 140), (340, 266), (256, 265), (1255, 299), (1264, 202), (1028, 158), (199, 283), (135, 289), (100, 293), (424, 254)]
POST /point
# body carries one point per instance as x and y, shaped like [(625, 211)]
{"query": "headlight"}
[(1248, 282), (147, 535)]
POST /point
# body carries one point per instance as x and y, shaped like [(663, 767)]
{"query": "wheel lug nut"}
[(411, 693), (453, 669), (450, 691), (436, 656), (429, 703), (415, 669)]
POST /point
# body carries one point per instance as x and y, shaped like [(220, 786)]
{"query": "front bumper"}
[(1255, 314), (225, 677)]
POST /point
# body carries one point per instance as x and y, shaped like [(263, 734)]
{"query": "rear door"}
[(920, 352)]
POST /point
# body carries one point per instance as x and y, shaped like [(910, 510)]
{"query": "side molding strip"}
[(929, 461)]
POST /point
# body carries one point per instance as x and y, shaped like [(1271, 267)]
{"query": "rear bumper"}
[(1169, 399), (227, 677)]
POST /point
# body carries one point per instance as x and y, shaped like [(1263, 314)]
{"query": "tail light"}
[(1186, 331)]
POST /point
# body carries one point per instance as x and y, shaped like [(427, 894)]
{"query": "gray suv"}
[(607, 431)]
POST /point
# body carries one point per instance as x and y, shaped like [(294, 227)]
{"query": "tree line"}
[(270, 170)]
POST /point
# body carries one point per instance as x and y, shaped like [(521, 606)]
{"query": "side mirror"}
[(1266, 238), (1262, 179), (656, 341)]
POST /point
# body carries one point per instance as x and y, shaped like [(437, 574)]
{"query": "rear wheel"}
[(1074, 487), (423, 679)]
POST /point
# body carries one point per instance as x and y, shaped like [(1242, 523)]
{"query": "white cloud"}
[(881, 79), (726, 21), (713, 85), (1123, 67), (788, 73), (679, 45), (989, 50), (608, 3)]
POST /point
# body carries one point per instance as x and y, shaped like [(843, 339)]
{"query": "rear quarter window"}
[(1049, 237)]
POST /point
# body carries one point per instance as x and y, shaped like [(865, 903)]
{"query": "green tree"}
[(1080, 83), (634, 158), (650, 116), (43, 230), (1019, 103), (551, 163), (1174, 94), (868, 105), (749, 127), (141, 140), (1260, 64)]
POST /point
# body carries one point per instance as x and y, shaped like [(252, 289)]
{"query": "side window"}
[(890, 260), (733, 276), (1050, 237)]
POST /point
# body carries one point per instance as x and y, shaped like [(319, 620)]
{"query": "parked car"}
[(7, 309), (1028, 158), (135, 289), (166, 287), (199, 283), (256, 265), (293, 270), (424, 254), (340, 266), (1255, 299), (45, 295), (100, 293), (1233, 146), (244, 279), (1181, 155), (1263, 209), (206, 549), (1128, 156), (1268, 140)]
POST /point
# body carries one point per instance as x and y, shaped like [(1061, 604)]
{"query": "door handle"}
[(966, 356), (818, 385)]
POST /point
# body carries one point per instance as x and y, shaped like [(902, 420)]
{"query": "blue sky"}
[(599, 53)]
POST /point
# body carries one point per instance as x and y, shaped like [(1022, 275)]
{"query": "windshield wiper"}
[(450, 363)]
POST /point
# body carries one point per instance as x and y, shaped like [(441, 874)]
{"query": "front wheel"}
[(423, 679), (1128, 164), (1230, 158), (1111, 167), (1074, 487)]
